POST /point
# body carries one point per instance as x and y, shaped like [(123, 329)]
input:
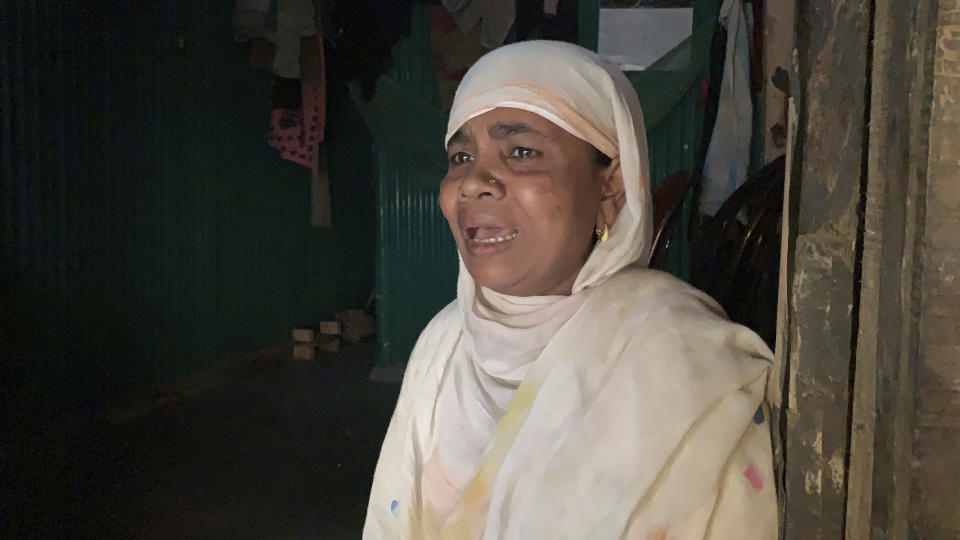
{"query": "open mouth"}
[(491, 235)]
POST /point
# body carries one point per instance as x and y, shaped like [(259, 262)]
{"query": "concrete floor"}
[(287, 452)]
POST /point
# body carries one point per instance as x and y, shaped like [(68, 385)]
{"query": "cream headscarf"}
[(503, 335), (542, 417), (590, 98)]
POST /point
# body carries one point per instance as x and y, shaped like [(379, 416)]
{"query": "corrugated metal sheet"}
[(416, 264), (416, 256), (147, 229), (673, 148)]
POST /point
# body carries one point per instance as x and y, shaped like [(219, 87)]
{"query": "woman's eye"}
[(522, 152), (460, 158)]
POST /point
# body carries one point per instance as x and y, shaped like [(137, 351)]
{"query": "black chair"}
[(736, 260), (668, 197)]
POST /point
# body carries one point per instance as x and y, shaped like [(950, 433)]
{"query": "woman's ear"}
[(612, 194)]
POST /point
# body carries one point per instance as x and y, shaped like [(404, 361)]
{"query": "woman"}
[(568, 392)]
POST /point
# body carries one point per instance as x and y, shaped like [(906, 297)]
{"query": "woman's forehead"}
[(502, 123)]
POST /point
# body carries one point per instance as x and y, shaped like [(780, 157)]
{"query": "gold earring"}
[(603, 234)]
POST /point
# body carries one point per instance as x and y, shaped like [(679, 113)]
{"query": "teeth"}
[(499, 239)]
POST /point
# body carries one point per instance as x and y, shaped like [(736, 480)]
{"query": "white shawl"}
[(629, 409)]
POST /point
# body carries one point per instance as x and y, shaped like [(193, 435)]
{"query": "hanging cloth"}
[(297, 121), (728, 157), (495, 18)]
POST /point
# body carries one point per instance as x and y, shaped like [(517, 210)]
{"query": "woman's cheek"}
[(447, 197)]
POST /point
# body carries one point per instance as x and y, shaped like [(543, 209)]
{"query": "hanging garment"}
[(495, 18), (629, 409), (452, 52), (251, 19), (298, 56), (728, 157), (298, 119), (292, 20)]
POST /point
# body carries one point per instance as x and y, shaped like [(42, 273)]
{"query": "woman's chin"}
[(493, 265), (501, 278)]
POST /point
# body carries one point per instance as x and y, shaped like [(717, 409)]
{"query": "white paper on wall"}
[(635, 38)]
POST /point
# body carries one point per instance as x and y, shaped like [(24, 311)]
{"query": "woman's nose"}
[(481, 182)]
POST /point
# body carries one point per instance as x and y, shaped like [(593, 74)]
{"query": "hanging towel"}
[(495, 18), (728, 157)]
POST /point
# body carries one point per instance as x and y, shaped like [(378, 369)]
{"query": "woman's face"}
[(523, 198)]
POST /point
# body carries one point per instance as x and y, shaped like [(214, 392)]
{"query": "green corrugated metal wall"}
[(147, 228), (673, 148), (416, 256), (417, 260), (416, 264)]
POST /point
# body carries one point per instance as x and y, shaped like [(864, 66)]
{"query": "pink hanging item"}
[(297, 134)]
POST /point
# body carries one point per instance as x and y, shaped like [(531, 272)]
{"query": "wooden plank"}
[(777, 385), (829, 80), (935, 502), (887, 345)]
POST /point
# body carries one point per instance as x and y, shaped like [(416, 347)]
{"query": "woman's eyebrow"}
[(459, 137), (501, 131)]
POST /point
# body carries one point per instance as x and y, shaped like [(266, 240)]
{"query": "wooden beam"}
[(935, 502), (887, 343), (829, 81)]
